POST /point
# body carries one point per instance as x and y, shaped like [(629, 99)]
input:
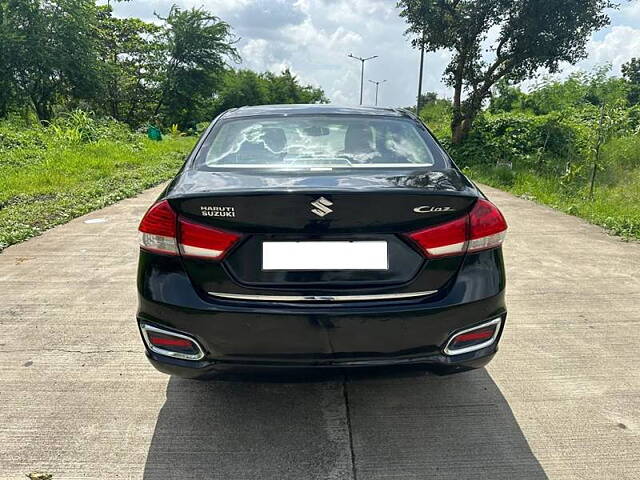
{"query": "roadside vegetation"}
[(49, 175), (80, 88), (62, 55), (572, 144), (75, 105)]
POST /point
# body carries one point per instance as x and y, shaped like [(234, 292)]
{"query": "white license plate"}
[(365, 255)]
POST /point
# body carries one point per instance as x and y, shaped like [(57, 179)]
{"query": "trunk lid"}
[(272, 206), (292, 202)]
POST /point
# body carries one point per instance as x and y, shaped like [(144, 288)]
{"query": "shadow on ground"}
[(454, 427)]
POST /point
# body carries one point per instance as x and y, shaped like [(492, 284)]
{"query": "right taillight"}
[(444, 240), (483, 228), (487, 226), (162, 231)]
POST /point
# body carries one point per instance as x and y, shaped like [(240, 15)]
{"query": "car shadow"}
[(453, 427)]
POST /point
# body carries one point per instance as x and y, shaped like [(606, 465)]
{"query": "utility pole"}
[(362, 60), (377, 84), (418, 104)]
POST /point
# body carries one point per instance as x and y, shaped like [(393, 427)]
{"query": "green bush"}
[(12, 138), (623, 152), (82, 127), (437, 116), (521, 140)]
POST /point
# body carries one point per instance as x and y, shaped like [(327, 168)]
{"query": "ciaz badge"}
[(430, 209)]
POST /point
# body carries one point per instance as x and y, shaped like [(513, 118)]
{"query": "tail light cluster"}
[(163, 231), (483, 228)]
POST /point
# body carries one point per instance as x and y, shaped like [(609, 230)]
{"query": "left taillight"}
[(158, 229), (164, 232), (197, 240), (483, 228)]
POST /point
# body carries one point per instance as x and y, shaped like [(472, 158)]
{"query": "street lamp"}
[(377, 84), (419, 102), (362, 60)]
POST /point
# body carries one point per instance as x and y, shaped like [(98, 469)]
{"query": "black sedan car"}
[(315, 237)]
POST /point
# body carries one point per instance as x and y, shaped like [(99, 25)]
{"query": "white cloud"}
[(313, 38), (631, 11), (617, 47)]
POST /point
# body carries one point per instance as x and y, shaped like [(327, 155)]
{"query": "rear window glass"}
[(319, 141)]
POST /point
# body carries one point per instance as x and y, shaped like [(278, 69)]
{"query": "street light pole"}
[(377, 84), (420, 76), (362, 60)]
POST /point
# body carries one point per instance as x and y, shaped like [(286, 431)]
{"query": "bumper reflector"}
[(171, 344), (474, 338)]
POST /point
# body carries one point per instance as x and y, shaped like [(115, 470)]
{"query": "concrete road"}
[(561, 400)]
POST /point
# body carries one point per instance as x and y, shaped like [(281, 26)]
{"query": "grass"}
[(41, 187), (615, 204), (49, 175)]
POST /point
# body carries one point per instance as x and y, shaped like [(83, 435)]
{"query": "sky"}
[(313, 38)]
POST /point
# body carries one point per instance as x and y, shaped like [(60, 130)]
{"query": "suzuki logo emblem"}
[(322, 207)]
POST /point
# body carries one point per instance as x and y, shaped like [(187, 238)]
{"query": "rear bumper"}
[(438, 364), (247, 338)]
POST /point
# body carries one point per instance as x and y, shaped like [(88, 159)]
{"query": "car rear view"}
[(320, 238)]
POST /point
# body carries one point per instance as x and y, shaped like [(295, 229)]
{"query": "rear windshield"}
[(319, 141)]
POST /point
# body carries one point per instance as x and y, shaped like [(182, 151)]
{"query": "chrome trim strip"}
[(144, 328), (294, 166), (473, 348), (322, 298)]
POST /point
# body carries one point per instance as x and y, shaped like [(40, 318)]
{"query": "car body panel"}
[(178, 293)]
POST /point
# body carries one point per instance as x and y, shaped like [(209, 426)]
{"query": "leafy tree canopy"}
[(579, 90), (199, 45), (631, 72), (59, 55), (244, 87), (531, 34), (49, 52)]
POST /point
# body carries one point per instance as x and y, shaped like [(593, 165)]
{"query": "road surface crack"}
[(354, 473), (63, 350)]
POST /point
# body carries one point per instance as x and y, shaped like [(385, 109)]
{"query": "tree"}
[(506, 97), (239, 88), (631, 73), (531, 34), (53, 51), (433, 110), (244, 87), (131, 54), (10, 46), (284, 88), (199, 46)]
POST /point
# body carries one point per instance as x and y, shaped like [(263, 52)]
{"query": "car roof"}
[(310, 109)]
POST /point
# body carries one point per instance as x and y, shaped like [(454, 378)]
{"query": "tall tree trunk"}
[(460, 129), (43, 110), (457, 117), (456, 133), (464, 115)]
